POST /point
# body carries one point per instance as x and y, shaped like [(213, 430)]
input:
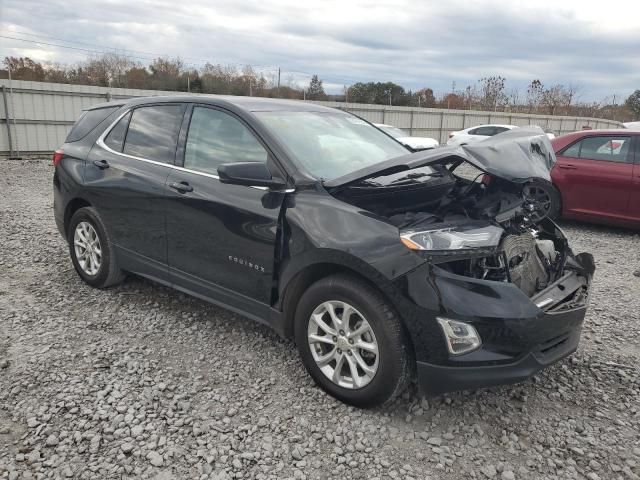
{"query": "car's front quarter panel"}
[(324, 228)]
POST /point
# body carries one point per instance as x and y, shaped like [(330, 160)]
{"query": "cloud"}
[(415, 44)]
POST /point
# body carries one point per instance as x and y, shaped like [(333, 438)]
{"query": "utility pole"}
[(389, 98), (13, 112), (278, 82)]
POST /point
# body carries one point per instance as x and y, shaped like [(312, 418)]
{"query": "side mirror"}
[(251, 174)]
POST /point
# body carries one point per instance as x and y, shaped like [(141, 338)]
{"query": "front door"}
[(125, 179), (221, 237)]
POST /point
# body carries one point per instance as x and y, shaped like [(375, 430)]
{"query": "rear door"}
[(221, 237), (125, 180), (634, 199), (594, 175)]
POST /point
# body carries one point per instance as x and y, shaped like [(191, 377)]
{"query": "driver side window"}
[(215, 138)]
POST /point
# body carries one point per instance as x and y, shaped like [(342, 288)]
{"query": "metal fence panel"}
[(44, 113)]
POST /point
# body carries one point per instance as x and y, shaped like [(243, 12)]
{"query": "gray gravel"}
[(140, 381)]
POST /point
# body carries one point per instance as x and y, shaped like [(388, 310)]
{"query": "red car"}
[(596, 178)]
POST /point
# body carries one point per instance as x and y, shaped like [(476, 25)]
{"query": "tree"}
[(24, 68), (426, 98), (454, 101), (492, 93), (137, 77), (315, 91), (377, 92), (534, 95), (633, 104), (556, 97), (165, 73)]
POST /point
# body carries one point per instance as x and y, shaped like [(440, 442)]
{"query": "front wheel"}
[(91, 249), (545, 198), (351, 341)]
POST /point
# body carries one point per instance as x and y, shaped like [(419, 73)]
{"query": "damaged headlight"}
[(453, 237)]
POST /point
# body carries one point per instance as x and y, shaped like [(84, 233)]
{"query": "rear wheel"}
[(351, 341), (91, 249)]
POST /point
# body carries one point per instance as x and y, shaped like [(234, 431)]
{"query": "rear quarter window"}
[(89, 120)]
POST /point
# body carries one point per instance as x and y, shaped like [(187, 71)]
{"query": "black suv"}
[(385, 265)]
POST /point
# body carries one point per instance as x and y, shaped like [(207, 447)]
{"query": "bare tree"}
[(492, 92), (554, 98), (535, 92), (514, 99)]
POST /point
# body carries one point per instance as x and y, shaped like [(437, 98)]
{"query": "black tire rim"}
[(540, 198)]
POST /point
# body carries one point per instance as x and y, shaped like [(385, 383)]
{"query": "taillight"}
[(57, 157), (486, 179)]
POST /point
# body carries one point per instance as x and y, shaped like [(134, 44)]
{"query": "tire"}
[(107, 272), (392, 365), (545, 193)]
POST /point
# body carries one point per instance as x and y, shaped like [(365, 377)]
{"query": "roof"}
[(610, 131), (250, 104), (493, 125)]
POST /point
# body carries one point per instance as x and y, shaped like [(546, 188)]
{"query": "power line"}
[(147, 56), (110, 49)]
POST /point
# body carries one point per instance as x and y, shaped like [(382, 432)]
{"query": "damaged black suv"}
[(384, 265)]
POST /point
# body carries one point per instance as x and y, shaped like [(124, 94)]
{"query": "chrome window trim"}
[(100, 142)]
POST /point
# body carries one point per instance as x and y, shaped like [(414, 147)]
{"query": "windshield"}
[(395, 132), (333, 144)]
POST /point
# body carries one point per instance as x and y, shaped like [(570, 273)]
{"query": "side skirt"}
[(247, 307)]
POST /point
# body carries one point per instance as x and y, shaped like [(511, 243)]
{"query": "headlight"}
[(461, 337), (458, 237)]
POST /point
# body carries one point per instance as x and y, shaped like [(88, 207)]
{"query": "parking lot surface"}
[(140, 381)]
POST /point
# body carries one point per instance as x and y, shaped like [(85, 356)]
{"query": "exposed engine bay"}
[(529, 251)]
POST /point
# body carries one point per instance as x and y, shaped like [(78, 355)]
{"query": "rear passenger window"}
[(153, 132), (115, 139), (215, 138), (484, 131), (608, 149), (89, 120)]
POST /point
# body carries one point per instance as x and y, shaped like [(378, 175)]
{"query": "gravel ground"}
[(140, 381)]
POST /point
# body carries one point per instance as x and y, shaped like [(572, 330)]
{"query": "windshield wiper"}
[(415, 176)]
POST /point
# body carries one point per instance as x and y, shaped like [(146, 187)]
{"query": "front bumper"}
[(520, 335), (436, 379)]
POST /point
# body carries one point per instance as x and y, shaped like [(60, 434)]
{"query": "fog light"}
[(461, 337)]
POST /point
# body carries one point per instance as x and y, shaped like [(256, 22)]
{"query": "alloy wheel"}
[(86, 244), (343, 344)]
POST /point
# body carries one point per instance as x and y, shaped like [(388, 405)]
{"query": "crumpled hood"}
[(517, 155)]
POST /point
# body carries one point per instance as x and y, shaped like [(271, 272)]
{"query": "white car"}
[(632, 125), (414, 143), (477, 133)]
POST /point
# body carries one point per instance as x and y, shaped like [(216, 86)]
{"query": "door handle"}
[(182, 187), (567, 166), (101, 164)]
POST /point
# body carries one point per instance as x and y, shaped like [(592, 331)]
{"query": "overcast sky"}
[(594, 45)]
